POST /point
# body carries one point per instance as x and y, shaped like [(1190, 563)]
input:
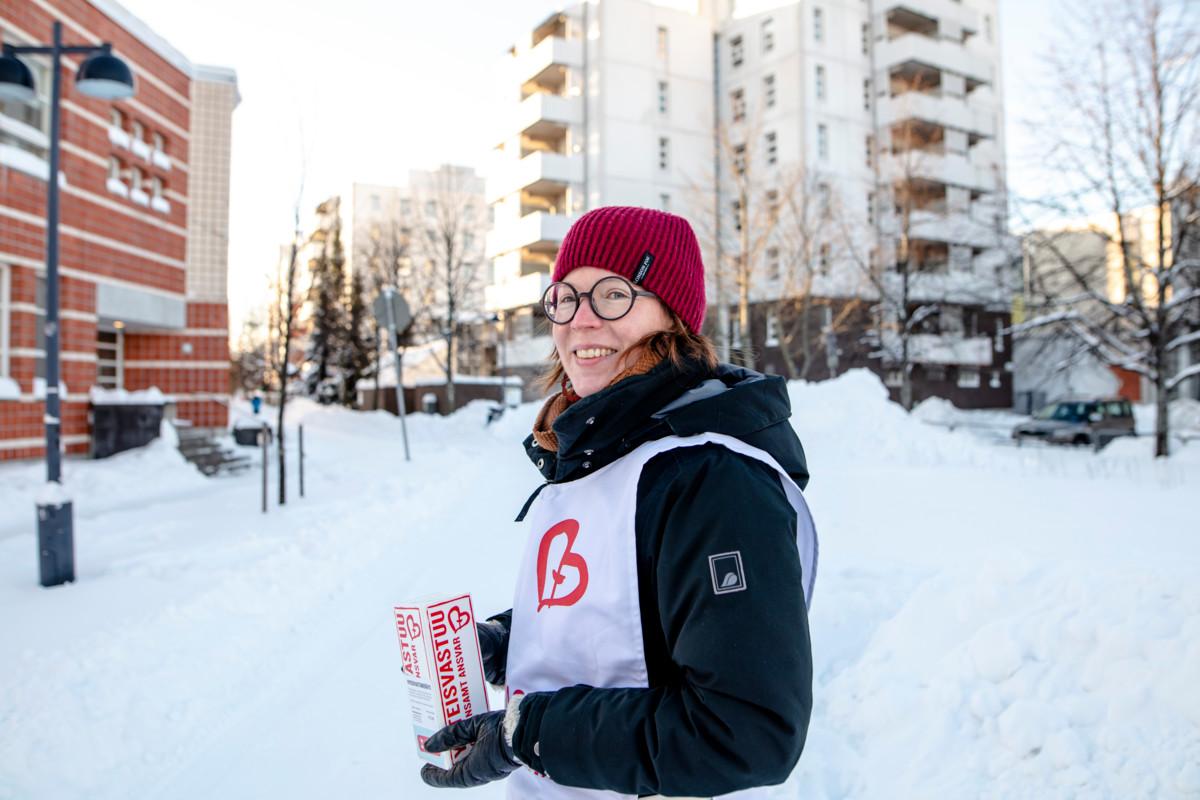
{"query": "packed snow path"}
[(987, 621)]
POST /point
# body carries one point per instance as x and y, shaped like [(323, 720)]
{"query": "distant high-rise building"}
[(887, 112)]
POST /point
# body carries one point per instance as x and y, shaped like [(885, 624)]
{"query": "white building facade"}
[(629, 102)]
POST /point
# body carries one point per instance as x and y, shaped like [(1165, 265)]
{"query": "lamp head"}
[(16, 80), (105, 77)]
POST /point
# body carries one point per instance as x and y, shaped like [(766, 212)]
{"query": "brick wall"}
[(104, 236)]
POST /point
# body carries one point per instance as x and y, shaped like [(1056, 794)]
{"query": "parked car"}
[(1094, 423)]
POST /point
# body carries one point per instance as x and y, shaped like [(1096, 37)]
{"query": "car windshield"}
[(1064, 412)]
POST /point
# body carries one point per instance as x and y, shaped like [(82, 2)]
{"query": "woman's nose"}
[(585, 316)]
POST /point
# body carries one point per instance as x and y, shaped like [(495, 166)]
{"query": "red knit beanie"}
[(653, 249)]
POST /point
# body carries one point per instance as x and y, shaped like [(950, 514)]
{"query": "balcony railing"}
[(525, 290), (951, 112), (537, 231), (536, 172), (550, 52), (947, 168), (939, 53)]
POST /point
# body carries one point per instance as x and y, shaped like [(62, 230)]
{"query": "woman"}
[(658, 641)]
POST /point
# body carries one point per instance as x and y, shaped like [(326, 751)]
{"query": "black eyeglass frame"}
[(634, 295)]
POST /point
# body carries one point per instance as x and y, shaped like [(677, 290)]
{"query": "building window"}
[(769, 90), (772, 148), (737, 50), (662, 43), (968, 378), (5, 324), (870, 151), (823, 259), (109, 361), (137, 131), (818, 25), (866, 94), (823, 141), (768, 35), (870, 208), (773, 203), (737, 215), (772, 338), (866, 39), (160, 144), (820, 82), (156, 188), (737, 100), (935, 372), (114, 169), (662, 97), (664, 152), (664, 202), (999, 345), (823, 198), (116, 118), (739, 159), (774, 267)]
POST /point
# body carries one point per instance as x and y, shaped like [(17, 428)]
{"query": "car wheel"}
[(1081, 440)]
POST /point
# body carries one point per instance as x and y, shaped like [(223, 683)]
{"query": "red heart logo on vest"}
[(458, 618), (414, 627), (561, 535)]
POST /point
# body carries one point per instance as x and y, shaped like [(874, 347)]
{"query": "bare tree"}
[(809, 243), (385, 256), (448, 228), (288, 298), (249, 359), (753, 192), (1123, 150)]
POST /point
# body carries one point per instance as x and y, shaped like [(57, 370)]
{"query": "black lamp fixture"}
[(16, 80), (106, 77)]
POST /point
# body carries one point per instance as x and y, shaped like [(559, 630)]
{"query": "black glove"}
[(493, 647), (490, 759)]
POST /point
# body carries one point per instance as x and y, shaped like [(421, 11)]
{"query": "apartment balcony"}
[(936, 348), (525, 290), (537, 232), (949, 112), (944, 168), (952, 229), (536, 173), (939, 54), (901, 12), (542, 68), (547, 117)]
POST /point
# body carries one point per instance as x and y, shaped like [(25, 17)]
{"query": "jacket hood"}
[(666, 401)]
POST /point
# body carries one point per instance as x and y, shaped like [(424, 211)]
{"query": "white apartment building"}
[(628, 102)]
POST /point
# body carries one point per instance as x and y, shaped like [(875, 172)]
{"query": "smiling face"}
[(592, 350)]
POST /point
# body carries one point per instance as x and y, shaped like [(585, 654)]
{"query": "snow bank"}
[(988, 621)]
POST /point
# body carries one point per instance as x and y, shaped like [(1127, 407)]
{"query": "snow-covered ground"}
[(988, 621)]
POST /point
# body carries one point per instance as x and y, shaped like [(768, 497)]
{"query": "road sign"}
[(393, 315), (391, 300)]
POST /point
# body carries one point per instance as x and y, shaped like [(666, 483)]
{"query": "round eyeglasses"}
[(611, 299)]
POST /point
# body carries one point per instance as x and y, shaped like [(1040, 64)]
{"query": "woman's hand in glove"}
[(493, 649), (490, 759)]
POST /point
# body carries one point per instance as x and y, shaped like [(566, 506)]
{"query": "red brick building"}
[(144, 198)]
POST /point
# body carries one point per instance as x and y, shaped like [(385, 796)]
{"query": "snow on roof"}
[(121, 397)]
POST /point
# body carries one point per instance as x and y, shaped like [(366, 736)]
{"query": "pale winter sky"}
[(365, 90)]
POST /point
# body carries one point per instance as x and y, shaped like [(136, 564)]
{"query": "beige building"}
[(214, 97)]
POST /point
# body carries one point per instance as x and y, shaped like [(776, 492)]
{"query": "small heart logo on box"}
[(458, 619)]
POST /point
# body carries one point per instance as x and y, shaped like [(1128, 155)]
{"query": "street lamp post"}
[(104, 76)]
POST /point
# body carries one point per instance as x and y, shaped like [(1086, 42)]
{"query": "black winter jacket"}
[(730, 676)]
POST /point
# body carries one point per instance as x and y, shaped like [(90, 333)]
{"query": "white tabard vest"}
[(576, 618)]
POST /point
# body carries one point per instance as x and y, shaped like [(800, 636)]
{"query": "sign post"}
[(391, 310)]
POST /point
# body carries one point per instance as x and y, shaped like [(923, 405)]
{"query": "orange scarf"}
[(543, 430)]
